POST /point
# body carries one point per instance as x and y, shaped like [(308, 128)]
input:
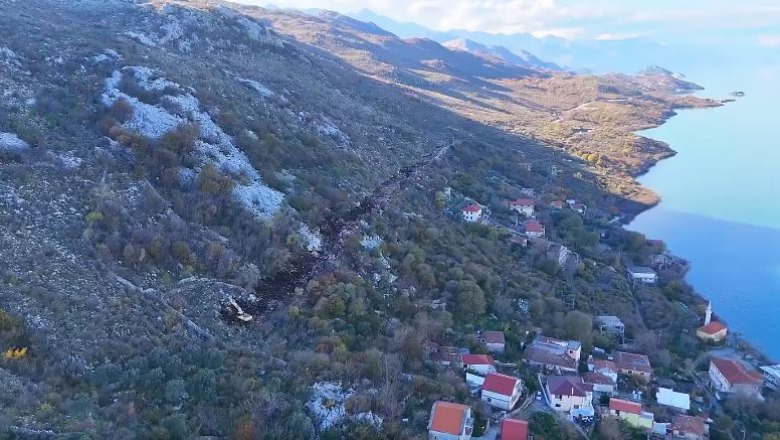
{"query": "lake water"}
[(720, 204)]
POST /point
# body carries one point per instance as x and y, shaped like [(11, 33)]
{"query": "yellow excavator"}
[(240, 314)]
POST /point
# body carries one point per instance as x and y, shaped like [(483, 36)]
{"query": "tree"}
[(470, 300), (578, 325)]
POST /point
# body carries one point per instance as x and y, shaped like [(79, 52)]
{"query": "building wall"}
[(471, 216), (499, 400), (717, 337), (434, 435), (495, 348), (718, 381), (481, 369)]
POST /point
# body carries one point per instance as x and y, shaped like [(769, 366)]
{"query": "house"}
[(632, 364), (772, 376), (480, 363), (472, 213), (554, 354), (501, 391), (631, 413), (556, 204), (493, 340), (522, 206), (642, 275), (610, 324), (558, 253), (599, 382), (579, 207), (534, 229), (711, 331), (518, 239), (728, 376), (446, 356), (450, 421), (512, 429), (673, 399), (688, 427), (529, 192), (569, 394), (603, 367)]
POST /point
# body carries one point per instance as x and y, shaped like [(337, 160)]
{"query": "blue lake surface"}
[(720, 204)]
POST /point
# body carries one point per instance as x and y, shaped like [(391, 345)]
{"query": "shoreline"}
[(741, 344)]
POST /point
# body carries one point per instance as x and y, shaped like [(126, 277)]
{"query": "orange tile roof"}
[(712, 328), (512, 429), (625, 406), (477, 359), (448, 417), (472, 208)]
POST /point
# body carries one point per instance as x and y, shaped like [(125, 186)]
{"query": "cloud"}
[(770, 41), (607, 19)]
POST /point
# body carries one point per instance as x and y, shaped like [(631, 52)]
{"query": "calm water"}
[(721, 201)]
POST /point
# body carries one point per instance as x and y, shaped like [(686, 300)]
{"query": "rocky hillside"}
[(160, 159)]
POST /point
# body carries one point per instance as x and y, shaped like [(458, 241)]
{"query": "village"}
[(559, 378)]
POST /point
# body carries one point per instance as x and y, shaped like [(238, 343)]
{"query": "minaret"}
[(708, 313)]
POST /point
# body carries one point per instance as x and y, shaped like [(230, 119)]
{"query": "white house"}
[(569, 395), (673, 399), (493, 340), (450, 421), (480, 363), (727, 376), (642, 275), (501, 391), (610, 324), (522, 206), (534, 229), (603, 367), (772, 376), (472, 213)]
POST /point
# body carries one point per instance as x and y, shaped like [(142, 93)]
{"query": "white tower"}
[(708, 313)]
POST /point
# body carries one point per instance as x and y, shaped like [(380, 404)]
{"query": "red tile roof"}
[(522, 202), (688, 425), (603, 364), (712, 328), (448, 417), (625, 406), (477, 359), (736, 373), (567, 386), (493, 337), (500, 384), (633, 361), (557, 204), (534, 226), (472, 208), (597, 379), (512, 429)]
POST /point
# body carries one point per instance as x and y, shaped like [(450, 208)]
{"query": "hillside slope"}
[(160, 159)]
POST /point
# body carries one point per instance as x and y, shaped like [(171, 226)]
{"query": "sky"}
[(754, 21)]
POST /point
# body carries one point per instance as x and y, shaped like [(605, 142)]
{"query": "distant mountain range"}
[(520, 57), (596, 55)]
